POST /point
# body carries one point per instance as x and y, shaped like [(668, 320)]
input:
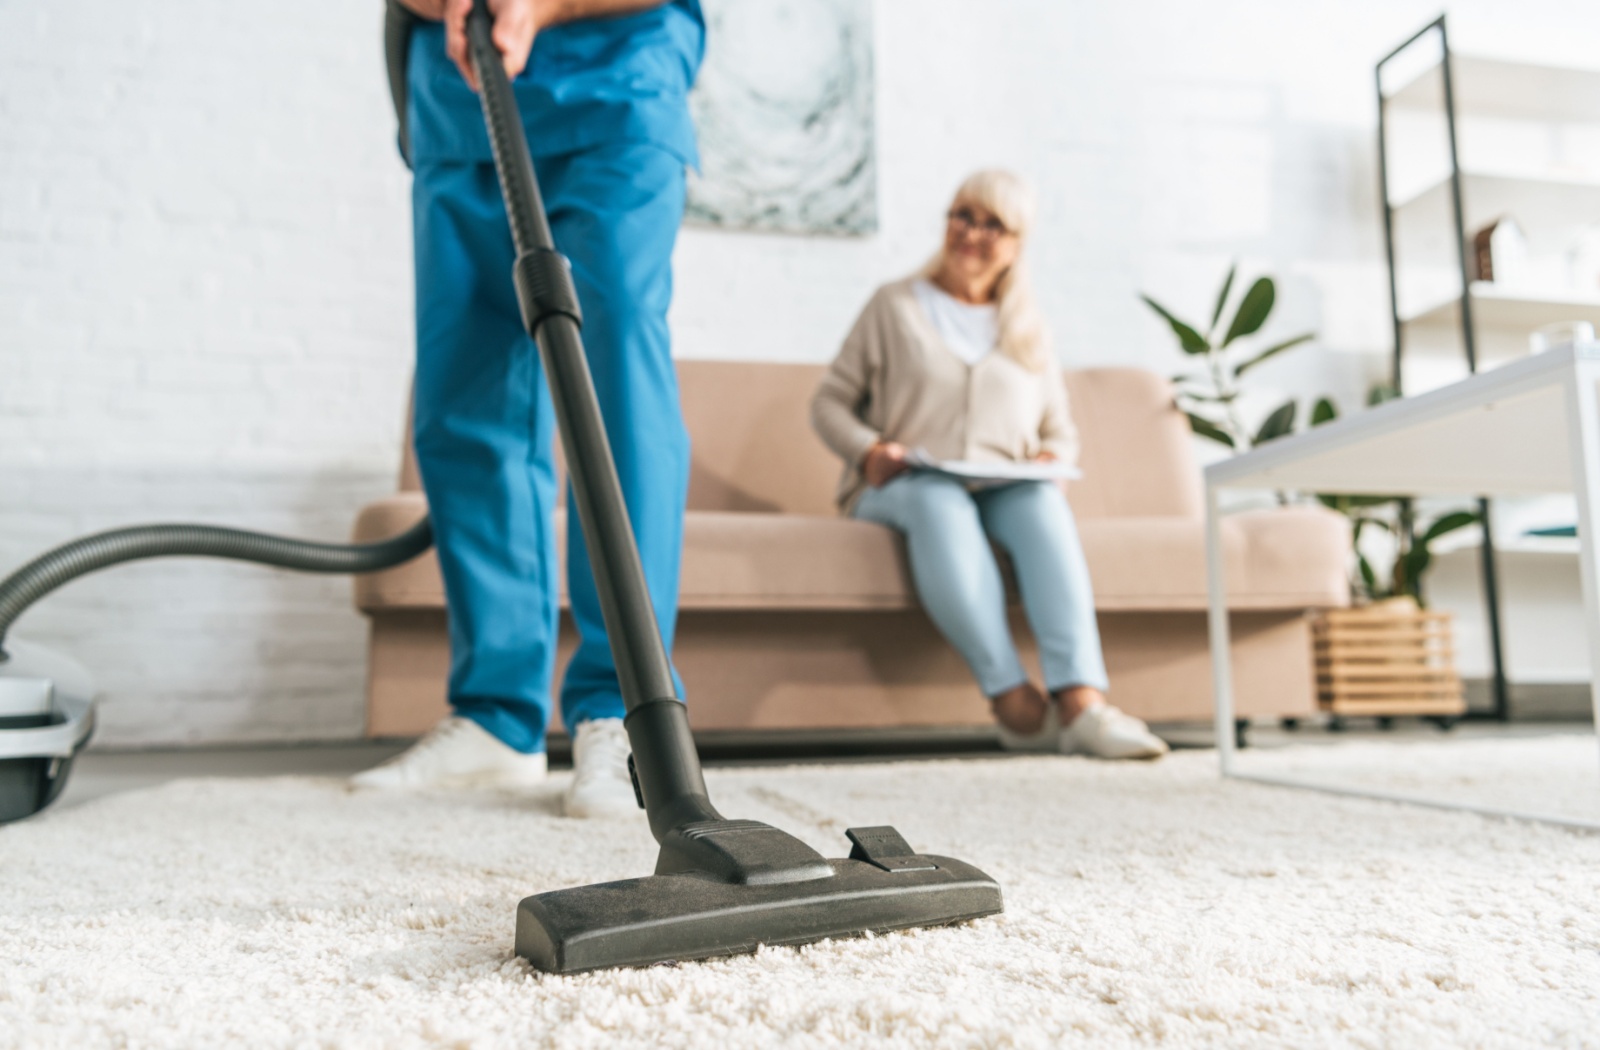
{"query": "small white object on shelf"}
[(993, 473), (1560, 333), (1583, 259)]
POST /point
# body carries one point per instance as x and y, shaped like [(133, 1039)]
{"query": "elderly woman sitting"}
[(955, 362)]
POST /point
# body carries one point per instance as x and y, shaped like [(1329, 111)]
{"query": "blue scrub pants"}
[(947, 532), (484, 422)]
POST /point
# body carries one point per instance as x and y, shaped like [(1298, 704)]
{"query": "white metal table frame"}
[(1530, 427)]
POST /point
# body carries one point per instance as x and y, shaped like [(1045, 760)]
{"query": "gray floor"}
[(100, 773)]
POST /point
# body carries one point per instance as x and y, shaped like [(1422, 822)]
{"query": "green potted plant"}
[(1210, 396)]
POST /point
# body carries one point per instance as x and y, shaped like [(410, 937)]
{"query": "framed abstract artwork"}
[(784, 111)]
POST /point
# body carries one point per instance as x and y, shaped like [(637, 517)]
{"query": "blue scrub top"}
[(594, 81)]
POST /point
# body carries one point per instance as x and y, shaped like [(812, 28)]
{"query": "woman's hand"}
[(1045, 457), (884, 461)]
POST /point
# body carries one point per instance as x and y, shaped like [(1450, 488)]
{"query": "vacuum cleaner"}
[(47, 700), (720, 886)]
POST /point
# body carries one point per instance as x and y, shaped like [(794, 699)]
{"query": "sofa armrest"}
[(1281, 558), (1299, 555), (412, 585)]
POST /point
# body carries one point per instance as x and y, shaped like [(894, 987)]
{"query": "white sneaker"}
[(1105, 732), (456, 753), (601, 786)]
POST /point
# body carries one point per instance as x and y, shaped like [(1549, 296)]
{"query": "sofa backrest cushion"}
[(1138, 454), (753, 446), (754, 449)]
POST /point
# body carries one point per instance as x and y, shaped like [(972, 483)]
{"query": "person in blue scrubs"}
[(602, 86)]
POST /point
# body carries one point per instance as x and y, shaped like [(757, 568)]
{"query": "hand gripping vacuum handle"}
[(666, 764)]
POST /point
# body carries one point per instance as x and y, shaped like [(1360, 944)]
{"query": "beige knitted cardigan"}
[(896, 380)]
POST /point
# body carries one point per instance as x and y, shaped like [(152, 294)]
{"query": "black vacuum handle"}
[(530, 231), (668, 768)]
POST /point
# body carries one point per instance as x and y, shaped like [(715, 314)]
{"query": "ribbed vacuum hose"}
[(105, 549)]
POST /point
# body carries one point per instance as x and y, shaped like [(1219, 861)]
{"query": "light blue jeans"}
[(947, 532)]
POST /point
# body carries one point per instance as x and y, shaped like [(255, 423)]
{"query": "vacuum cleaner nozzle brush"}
[(696, 913)]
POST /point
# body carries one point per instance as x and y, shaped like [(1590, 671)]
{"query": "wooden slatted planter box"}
[(1389, 658)]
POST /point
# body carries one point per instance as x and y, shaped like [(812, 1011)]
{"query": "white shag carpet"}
[(1146, 905)]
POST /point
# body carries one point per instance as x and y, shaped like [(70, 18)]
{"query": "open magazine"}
[(996, 473)]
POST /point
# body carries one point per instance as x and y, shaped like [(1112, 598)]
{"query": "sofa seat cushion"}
[(1283, 558), (731, 560), (790, 561)]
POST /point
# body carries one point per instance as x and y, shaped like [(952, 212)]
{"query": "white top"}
[(970, 331)]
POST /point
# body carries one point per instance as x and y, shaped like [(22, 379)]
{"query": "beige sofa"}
[(793, 618)]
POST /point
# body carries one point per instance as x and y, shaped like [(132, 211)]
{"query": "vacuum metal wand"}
[(666, 765)]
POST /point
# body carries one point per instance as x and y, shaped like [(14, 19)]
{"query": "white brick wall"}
[(205, 297), (205, 275)]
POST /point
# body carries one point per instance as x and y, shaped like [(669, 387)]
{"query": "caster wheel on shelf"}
[(1386, 722), (1445, 722), (1337, 724), (1289, 724)]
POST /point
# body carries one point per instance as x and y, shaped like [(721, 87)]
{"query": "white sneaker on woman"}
[(1105, 732), (458, 752), (601, 786)]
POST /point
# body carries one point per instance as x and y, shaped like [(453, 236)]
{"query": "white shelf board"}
[(1500, 88), (1485, 196), (1518, 310), (1564, 546)]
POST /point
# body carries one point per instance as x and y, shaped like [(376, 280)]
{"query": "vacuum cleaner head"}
[(728, 907), (46, 717)]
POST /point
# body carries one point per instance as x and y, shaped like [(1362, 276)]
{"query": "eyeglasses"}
[(966, 221)]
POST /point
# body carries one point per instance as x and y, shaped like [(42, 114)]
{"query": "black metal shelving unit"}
[(1501, 708)]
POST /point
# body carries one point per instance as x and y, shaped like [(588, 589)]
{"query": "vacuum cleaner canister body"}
[(46, 717)]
